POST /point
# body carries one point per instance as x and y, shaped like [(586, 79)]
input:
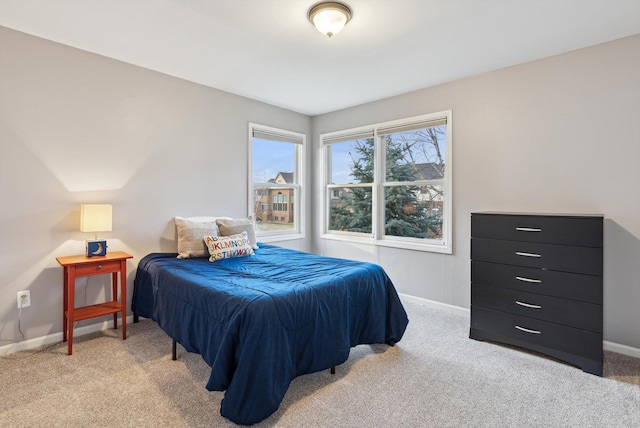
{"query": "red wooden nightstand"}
[(76, 266)]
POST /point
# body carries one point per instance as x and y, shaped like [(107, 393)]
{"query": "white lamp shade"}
[(330, 18), (95, 218)]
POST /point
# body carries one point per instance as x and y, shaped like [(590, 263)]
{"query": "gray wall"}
[(560, 134), (80, 128), (557, 135)]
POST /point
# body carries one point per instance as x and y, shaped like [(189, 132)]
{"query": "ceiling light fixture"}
[(329, 17)]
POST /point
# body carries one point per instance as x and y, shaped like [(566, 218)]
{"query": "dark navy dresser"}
[(536, 283)]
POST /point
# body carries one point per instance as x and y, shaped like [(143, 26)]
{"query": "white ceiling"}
[(269, 51)]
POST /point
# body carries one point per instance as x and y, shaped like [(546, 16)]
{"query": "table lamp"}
[(95, 218)]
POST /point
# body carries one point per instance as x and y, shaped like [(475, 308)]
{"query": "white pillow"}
[(224, 247), (234, 226), (191, 234)]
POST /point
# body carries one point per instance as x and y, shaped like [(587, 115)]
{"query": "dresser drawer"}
[(575, 230), (97, 268), (585, 260), (541, 336), (585, 288), (586, 316)]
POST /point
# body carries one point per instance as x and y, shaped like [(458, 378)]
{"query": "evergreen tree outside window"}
[(351, 189), (390, 183)]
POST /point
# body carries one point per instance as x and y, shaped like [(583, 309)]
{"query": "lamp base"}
[(96, 248)]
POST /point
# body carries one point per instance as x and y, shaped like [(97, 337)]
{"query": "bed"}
[(262, 320)]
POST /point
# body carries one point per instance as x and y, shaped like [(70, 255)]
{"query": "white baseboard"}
[(434, 304), (606, 345), (620, 349), (26, 345)]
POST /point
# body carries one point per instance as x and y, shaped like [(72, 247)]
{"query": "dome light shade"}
[(329, 17)]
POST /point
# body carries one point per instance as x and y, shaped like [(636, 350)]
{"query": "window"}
[(350, 184), (390, 183), (275, 167)]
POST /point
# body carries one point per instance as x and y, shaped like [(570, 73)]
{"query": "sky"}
[(269, 157)]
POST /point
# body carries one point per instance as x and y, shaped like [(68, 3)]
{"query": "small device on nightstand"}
[(96, 248)]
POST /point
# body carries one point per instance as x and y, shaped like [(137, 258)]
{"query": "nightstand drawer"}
[(97, 268), (585, 288), (586, 316), (581, 231), (538, 335), (564, 258)]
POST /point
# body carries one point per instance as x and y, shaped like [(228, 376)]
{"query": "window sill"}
[(280, 237), (348, 238), (390, 243), (416, 246)]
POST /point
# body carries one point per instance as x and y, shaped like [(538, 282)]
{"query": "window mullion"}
[(414, 183), (378, 192), (350, 185)]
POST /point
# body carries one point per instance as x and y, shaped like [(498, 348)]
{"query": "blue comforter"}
[(262, 320)]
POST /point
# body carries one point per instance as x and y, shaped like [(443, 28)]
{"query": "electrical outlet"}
[(24, 299)]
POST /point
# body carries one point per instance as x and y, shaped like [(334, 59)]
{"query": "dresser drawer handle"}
[(98, 267), (528, 305), (522, 278), (528, 229), (526, 330), (519, 253)]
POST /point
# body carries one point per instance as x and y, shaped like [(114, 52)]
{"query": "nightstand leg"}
[(65, 303), (71, 292), (114, 296), (123, 297)]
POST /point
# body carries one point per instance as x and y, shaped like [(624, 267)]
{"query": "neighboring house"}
[(275, 204), (429, 171), (430, 195)]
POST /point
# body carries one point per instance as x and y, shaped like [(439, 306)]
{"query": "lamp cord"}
[(24, 353), (4, 354), (19, 321)]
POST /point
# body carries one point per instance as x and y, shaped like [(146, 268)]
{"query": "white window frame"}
[(299, 140), (377, 236)]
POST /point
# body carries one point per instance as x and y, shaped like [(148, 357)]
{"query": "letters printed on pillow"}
[(224, 247)]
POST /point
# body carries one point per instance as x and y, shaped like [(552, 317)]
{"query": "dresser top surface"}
[(578, 215)]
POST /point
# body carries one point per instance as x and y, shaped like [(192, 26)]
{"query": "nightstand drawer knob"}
[(528, 229), (526, 330), (520, 253), (99, 267), (528, 305), (523, 279)]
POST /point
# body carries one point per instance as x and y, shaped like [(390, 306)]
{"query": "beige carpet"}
[(435, 377)]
